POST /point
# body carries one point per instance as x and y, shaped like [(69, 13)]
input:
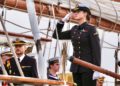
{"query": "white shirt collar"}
[(22, 57)]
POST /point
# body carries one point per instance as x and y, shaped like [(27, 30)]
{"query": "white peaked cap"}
[(5, 50)]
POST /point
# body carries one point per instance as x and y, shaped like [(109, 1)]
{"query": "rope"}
[(16, 3), (116, 59), (109, 48), (4, 12), (49, 24), (41, 11), (54, 25), (39, 17), (110, 44), (68, 27), (49, 54), (102, 40), (17, 24), (100, 12), (57, 41), (116, 16)]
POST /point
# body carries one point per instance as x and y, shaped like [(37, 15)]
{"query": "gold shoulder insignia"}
[(25, 66)]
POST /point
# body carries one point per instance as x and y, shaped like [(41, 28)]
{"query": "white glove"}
[(66, 18), (70, 58), (96, 75)]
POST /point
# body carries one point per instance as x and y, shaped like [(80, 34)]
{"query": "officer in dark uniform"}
[(5, 55), (86, 45), (27, 63), (53, 68)]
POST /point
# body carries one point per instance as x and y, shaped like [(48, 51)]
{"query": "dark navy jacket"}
[(50, 76), (28, 65), (86, 44)]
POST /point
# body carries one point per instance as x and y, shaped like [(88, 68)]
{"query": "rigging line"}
[(49, 24), (68, 27), (39, 17), (57, 41), (14, 8), (46, 29), (109, 48), (64, 60), (4, 13), (49, 50), (39, 32), (5, 3), (116, 16), (116, 59), (118, 48), (16, 3), (16, 24), (41, 11), (110, 44), (11, 47), (100, 12), (59, 2), (70, 6), (102, 39), (49, 54)]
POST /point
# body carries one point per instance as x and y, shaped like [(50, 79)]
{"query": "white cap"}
[(5, 50)]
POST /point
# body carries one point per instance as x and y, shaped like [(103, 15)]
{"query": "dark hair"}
[(88, 17), (84, 9), (87, 10)]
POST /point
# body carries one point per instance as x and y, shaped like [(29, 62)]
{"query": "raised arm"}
[(61, 35)]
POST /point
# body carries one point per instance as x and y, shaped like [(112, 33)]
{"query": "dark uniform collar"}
[(82, 25), (52, 77)]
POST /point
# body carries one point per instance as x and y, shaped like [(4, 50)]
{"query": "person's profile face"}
[(5, 57), (55, 67), (78, 15), (20, 49)]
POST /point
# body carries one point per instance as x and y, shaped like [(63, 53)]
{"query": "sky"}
[(22, 19)]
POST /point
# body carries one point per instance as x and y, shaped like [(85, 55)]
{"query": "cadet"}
[(53, 68), (5, 55), (86, 45), (27, 63)]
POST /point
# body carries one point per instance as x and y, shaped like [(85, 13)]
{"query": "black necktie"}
[(18, 59)]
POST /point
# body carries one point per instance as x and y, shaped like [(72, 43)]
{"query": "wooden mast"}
[(21, 5)]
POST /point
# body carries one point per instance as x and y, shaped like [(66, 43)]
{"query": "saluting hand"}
[(67, 17)]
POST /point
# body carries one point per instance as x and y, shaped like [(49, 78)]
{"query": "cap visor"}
[(19, 43)]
